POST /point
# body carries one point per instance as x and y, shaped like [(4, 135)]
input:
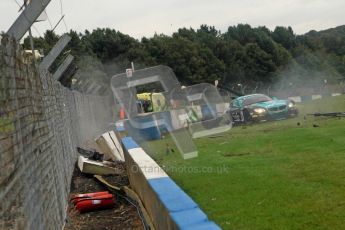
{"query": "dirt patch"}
[(123, 216)]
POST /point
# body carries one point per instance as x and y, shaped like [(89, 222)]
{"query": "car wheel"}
[(247, 119)]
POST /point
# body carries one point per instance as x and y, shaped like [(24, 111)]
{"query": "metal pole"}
[(31, 40), (58, 23), (54, 52), (63, 67), (27, 18)]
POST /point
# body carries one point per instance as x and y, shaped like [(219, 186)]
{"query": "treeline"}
[(242, 54)]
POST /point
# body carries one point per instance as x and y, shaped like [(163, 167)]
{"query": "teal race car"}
[(260, 107)]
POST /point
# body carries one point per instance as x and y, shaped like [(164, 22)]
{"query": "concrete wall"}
[(41, 123)]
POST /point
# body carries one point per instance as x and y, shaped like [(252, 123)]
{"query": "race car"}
[(260, 107)]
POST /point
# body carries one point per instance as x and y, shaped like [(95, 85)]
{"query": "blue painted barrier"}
[(167, 204)]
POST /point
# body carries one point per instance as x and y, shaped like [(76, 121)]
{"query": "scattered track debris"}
[(123, 216), (334, 114)]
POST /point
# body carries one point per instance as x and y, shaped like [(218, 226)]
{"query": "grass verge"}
[(278, 175)]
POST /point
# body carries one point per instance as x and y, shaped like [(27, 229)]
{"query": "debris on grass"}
[(223, 143), (235, 154), (333, 114), (216, 136)]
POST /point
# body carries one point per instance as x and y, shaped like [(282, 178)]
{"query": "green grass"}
[(276, 175)]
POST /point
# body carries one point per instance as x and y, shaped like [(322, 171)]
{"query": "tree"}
[(241, 54), (284, 36), (259, 64)]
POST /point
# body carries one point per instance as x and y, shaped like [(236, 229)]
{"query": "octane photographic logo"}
[(222, 169), (165, 106)]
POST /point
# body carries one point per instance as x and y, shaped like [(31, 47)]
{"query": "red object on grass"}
[(77, 197), (95, 203)]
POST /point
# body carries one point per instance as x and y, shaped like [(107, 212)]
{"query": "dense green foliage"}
[(242, 54)]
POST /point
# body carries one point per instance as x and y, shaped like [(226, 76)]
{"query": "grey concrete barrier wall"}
[(41, 123)]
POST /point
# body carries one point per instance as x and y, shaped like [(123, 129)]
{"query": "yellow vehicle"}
[(155, 102), (151, 102)]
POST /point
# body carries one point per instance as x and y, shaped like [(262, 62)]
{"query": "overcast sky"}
[(140, 18)]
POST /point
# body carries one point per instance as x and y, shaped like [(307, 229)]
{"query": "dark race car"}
[(259, 107)]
